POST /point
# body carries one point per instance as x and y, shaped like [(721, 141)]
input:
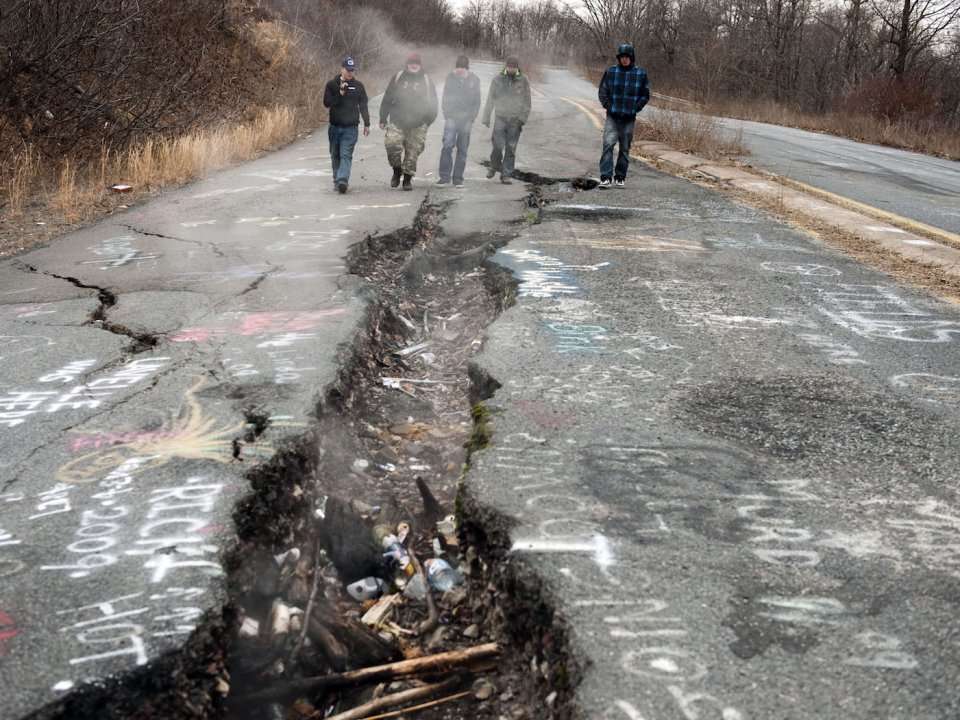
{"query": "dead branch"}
[(306, 615), (395, 699), (433, 615), (418, 708), (440, 663)]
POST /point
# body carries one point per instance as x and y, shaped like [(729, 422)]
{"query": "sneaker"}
[(505, 179), (341, 187), (604, 183), (408, 182), (458, 183), (395, 180), (441, 181), (490, 173), (620, 183)]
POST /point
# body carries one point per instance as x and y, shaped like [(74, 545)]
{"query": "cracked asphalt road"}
[(140, 360), (728, 451)]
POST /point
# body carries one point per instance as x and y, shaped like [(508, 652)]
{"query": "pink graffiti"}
[(95, 441), (8, 631), (261, 323)]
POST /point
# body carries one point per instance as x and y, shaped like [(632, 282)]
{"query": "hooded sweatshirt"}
[(624, 91), (509, 96), (410, 100)]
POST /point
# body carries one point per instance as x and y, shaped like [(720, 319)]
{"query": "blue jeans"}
[(456, 134), (342, 141), (616, 131), (506, 135)]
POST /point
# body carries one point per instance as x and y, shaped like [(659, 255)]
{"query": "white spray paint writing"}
[(877, 312), (18, 405)]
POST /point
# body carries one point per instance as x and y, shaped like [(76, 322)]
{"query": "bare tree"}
[(914, 26)]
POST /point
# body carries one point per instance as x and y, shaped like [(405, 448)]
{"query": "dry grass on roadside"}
[(76, 192), (690, 132), (41, 195), (920, 135)]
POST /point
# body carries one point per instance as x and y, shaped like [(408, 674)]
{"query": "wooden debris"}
[(439, 664), (377, 615), (395, 699), (433, 615), (291, 660)]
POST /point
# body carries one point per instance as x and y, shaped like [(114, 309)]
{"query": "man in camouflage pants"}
[(409, 106)]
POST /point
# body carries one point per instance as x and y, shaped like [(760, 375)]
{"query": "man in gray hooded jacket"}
[(510, 96)]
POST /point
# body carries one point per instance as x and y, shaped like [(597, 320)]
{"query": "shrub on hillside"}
[(891, 99), (79, 74)]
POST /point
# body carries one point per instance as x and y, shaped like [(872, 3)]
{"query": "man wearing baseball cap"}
[(347, 99), (409, 106), (509, 96)]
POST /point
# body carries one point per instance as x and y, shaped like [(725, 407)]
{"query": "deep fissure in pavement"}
[(390, 442), (396, 434)]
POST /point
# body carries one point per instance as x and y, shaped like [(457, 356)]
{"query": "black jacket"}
[(410, 100), (345, 110), (461, 97), (509, 96)]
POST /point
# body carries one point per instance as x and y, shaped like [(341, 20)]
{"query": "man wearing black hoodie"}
[(409, 106), (461, 104), (347, 99)]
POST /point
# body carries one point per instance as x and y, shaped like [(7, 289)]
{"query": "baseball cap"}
[(349, 63)]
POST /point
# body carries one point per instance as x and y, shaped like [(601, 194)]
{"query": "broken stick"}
[(395, 699), (439, 663), (291, 660), (433, 615)]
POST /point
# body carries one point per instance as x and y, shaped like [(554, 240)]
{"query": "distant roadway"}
[(918, 187)]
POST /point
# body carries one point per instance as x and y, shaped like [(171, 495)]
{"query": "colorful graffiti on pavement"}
[(191, 435)]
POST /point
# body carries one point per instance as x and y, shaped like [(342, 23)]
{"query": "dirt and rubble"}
[(391, 455)]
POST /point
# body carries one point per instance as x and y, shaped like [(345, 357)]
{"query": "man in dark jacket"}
[(461, 104), (347, 99), (624, 90), (409, 106), (510, 96)]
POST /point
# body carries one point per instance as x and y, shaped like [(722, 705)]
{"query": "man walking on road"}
[(623, 92), (510, 96), (461, 104), (347, 99), (408, 108)]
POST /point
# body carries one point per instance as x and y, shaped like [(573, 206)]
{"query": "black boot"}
[(395, 180), (407, 182)]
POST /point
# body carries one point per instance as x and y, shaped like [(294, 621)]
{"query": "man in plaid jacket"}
[(623, 92)]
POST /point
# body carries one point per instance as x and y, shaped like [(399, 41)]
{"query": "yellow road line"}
[(892, 218), (586, 111)]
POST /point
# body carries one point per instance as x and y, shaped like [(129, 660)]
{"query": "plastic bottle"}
[(393, 548), (369, 588), (440, 575)]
